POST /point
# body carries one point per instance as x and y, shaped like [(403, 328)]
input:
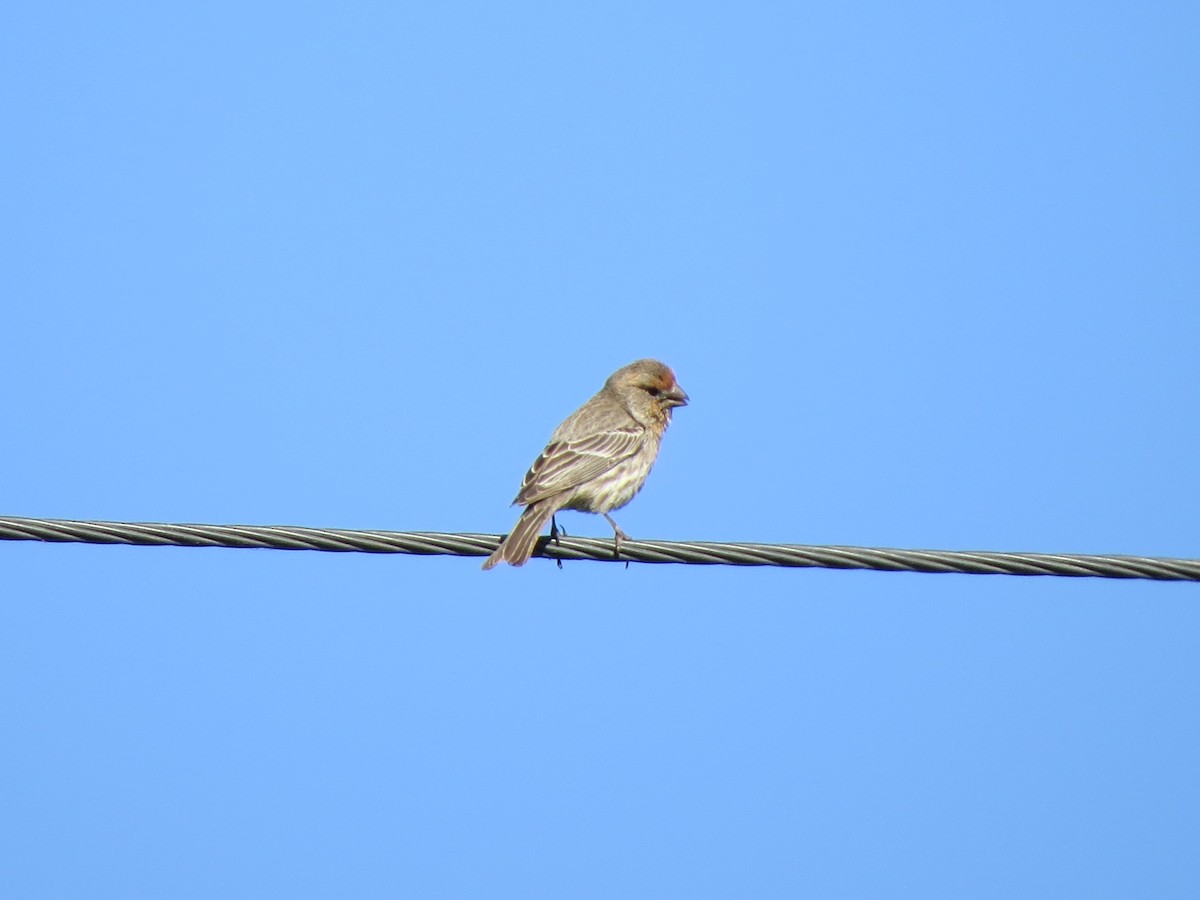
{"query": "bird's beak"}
[(677, 396)]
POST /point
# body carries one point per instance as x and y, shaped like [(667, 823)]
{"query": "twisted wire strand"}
[(709, 553)]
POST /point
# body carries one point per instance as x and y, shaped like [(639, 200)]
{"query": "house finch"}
[(598, 458)]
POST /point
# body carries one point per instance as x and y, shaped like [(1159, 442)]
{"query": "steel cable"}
[(425, 543)]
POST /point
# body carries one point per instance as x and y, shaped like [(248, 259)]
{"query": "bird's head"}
[(649, 390)]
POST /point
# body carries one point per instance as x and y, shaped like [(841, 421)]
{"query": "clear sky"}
[(929, 272)]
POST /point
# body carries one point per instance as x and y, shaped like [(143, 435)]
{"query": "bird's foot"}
[(555, 531), (618, 536)]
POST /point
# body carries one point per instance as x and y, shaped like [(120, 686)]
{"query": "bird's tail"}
[(518, 546)]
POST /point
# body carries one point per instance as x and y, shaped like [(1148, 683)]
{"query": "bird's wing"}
[(567, 464)]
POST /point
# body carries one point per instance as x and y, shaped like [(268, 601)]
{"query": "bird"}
[(598, 458)]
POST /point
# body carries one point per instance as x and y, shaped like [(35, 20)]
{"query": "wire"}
[(426, 543)]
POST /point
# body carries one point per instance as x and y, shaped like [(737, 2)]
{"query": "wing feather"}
[(567, 464)]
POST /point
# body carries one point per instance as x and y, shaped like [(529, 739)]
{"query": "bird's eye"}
[(653, 391)]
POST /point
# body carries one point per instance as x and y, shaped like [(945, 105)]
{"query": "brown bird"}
[(598, 459)]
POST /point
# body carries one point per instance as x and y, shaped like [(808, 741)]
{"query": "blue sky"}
[(929, 274)]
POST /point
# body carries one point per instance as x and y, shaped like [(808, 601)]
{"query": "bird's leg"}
[(555, 531), (618, 536)]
